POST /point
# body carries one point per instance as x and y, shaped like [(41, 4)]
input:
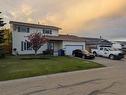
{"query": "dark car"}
[(83, 54)]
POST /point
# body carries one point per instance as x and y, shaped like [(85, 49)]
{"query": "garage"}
[(69, 48)]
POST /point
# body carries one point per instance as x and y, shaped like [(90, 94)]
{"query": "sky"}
[(85, 18)]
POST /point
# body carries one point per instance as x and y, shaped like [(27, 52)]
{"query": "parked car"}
[(83, 54), (108, 52)]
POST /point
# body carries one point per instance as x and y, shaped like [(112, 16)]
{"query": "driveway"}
[(104, 81), (110, 63)]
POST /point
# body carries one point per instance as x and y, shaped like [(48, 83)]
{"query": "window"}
[(29, 46), (47, 31), (101, 48), (23, 29), (25, 46), (105, 49)]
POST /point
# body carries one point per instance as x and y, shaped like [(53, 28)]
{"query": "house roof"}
[(66, 38), (34, 25), (89, 41), (121, 42), (97, 41)]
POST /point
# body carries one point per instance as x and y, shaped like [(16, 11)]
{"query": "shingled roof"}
[(89, 41), (66, 38), (34, 25), (97, 41)]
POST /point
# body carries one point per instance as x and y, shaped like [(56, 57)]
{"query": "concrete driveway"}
[(104, 81)]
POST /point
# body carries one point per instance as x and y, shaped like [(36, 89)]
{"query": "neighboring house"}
[(122, 43), (117, 45), (56, 41), (95, 42)]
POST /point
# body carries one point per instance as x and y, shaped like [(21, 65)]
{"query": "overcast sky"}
[(90, 18)]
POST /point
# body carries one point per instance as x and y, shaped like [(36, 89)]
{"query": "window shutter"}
[(22, 45), (25, 46)]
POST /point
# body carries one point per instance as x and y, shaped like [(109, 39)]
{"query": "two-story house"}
[(21, 30)]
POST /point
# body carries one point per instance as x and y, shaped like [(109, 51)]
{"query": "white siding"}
[(55, 33), (58, 45), (17, 37)]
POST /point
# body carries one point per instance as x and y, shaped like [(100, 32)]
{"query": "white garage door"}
[(69, 48)]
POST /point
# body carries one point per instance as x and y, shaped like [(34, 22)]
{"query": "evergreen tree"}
[(1, 31), (2, 54), (1, 36)]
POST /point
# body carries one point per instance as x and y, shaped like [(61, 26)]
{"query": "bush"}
[(2, 53), (48, 52)]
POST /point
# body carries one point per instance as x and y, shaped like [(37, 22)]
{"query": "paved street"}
[(110, 80)]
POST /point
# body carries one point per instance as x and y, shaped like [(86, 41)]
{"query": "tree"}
[(37, 40), (1, 22), (8, 40), (1, 37), (1, 31), (8, 36)]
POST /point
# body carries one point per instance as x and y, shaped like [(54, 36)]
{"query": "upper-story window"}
[(23, 29), (47, 31)]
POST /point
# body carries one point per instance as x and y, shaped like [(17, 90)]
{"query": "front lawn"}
[(18, 67)]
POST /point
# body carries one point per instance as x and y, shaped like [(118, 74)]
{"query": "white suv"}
[(108, 52)]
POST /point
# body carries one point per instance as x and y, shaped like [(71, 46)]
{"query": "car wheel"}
[(95, 54), (83, 56), (112, 57)]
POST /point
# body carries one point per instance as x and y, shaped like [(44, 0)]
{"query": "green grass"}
[(17, 67)]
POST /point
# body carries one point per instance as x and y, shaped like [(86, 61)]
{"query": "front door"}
[(106, 52), (101, 51), (50, 46)]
